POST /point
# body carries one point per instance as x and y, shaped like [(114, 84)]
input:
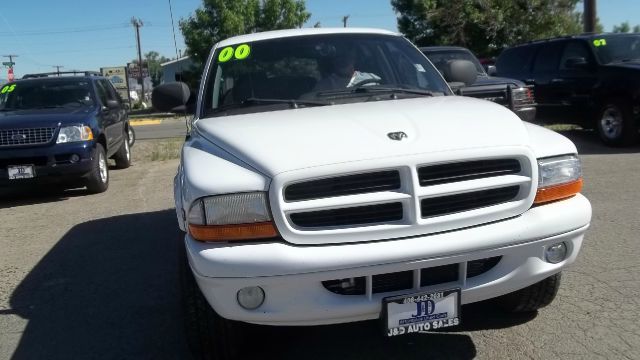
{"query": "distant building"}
[(172, 70)]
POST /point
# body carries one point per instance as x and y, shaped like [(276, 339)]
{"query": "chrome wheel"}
[(611, 122), (131, 136), (102, 164), (126, 149)]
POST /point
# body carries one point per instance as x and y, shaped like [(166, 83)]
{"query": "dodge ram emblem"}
[(398, 135), (18, 137)]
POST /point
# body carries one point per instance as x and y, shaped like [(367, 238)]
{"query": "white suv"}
[(332, 176)]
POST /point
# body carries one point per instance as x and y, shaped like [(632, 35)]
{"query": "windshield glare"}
[(620, 48), (26, 95), (441, 58), (308, 68)]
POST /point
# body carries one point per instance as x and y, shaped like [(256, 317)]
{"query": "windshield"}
[(33, 94), (617, 48), (317, 70), (441, 58)]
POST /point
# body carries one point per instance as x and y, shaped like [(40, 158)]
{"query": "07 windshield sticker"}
[(8, 89), (239, 53), (599, 42)]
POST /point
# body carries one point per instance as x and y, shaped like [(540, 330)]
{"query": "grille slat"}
[(26, 136), (470, 170), (446, 205), (359, 215), (343, 185)]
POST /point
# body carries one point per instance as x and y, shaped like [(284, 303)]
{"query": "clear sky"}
[(90, 34)]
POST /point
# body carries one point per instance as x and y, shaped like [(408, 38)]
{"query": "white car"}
[(332, 176)]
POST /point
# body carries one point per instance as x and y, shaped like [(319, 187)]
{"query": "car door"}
[(576, 79), (546, 78), (109, 117), (120, 113)]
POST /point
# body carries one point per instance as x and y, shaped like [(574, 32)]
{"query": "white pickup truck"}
[(332, 176)]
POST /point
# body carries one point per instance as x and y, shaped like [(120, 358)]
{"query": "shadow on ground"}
[(109, 289), (588, 143)]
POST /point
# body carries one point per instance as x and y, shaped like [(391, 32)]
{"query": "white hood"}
[(278, 141)]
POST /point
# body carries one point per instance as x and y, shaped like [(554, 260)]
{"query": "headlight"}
[(522, 96), (74, 133), (243, 216), (559, 177)]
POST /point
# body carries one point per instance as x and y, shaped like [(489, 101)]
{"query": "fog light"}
[(556, 252), (251, 297), (74, 158)]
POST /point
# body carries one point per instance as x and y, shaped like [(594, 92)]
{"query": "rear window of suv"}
[(515, 61)]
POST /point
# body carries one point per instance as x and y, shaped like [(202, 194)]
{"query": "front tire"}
[(533, 297), (209, 335), (615, 124), (98, 179)]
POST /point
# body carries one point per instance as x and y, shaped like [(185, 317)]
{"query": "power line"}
[(173, 28), (64, 31)]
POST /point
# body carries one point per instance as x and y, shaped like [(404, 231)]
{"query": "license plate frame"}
[(20, 172), (429, 307)]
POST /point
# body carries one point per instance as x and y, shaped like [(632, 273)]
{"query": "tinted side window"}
[(548, 58), (103, 94), (111, 93), (574, 49), (515, 62)]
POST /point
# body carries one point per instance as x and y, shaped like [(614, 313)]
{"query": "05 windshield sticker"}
[(240, 53), (7, 89), (599, 42)]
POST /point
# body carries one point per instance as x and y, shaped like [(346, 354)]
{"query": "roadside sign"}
[(8, 63), (10, 76), (118, 77)]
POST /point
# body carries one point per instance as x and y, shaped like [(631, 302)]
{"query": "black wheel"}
[(132, 136), (615, 124), (123, 155), (533, 297), (209, 335), (98, 179)]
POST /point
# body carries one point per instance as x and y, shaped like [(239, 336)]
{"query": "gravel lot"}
[(95, 276)]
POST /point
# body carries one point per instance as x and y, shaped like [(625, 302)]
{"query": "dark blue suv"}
[(61, 129)]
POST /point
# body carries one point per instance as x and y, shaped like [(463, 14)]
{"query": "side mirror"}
[(169, 96), (461, 71), (491, 70), (113, 104), (576, 63)]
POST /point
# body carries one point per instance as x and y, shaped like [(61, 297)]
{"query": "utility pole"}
[(344, 20), (589, 16), (137, 23), (57, 68)]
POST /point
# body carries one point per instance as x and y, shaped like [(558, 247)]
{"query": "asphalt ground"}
[(95, 277), (159, 128)]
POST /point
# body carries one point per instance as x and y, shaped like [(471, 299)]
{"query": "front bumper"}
[(526, 113), (51, 163), (292, 276)]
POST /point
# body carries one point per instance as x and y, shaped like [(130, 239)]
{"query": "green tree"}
[(485, 26), (622, 28), (636, 29), (220, 19)]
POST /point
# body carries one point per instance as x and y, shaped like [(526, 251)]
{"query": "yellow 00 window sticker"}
[(8, 89), (240, 53), (599, 42)]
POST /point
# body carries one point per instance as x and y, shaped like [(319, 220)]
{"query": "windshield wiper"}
[(377, 89), (293, 103)]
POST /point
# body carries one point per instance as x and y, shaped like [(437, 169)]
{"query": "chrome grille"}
[(26, 136)]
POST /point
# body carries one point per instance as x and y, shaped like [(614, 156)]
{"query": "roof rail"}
[(59, 73)]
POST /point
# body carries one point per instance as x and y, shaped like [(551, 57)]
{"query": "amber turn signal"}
[(235, 232), (558, 192)]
